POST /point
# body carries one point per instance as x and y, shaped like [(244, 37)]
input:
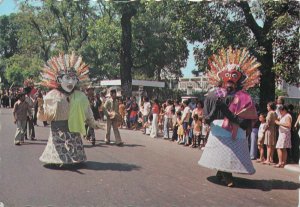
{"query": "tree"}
[(157, 49), (37, 31), (9, 42), (71, 20), (102, 49), (222, 24), (274, 12), (160, 50), (8, 36), (127, 11), (20, 67)]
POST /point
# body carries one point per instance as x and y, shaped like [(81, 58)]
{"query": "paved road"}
[(145, 172)]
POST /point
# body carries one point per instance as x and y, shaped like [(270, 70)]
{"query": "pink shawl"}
[(242, 106)]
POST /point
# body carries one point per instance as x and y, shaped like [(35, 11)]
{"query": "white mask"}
[(68, 82)]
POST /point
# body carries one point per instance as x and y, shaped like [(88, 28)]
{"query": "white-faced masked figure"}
[(66, 108), (68, 82)]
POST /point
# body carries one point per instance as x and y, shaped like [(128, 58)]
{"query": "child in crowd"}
[(174, 125), (148, 124), (261, 137), (122, 113), (196, 130), (161, 118), (180, 131), (140, 121), (133, 116), (204, 135)]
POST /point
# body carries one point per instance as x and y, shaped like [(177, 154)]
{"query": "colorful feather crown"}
[(28, 83), (234, 59), (64, 64)]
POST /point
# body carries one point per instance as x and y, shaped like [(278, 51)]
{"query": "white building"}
[(138, 86), (194, 84), (292, 91)]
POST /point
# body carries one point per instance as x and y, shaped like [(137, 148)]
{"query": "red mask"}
[(230, 75)]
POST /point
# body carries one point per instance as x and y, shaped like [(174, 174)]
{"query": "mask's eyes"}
[(234, 75), (66, 77), (227, 75), (73, 78)]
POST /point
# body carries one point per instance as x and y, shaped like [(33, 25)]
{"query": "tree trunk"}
[(267, 80), (125, 54)]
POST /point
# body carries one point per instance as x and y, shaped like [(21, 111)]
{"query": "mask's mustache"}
[(229, 88)]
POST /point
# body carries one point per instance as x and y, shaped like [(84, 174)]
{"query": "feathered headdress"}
[(64, 64), (28, 83), (29, 86), (234, 65)]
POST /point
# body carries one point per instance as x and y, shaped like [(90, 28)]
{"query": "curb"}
[(294, 168)]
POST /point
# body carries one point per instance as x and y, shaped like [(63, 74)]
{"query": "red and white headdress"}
[(28, 83), (61, 65), (234, 65)]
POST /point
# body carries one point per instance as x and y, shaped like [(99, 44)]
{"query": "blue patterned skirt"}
[(224, 153)]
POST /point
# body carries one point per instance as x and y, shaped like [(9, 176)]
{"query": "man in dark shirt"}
[(94, 104), (20, 112)]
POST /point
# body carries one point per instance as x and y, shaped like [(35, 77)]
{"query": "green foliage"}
[(37, 33), (8, 36), (102, 49), (279, 92), (159, 49), (20, 67), (237, 23), (70, 20), (254, 92), (160, 31), (162, 94)]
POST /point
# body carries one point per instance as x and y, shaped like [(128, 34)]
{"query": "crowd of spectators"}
[(183, 122)]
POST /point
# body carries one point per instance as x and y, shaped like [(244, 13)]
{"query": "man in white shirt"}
[(185, 121), (146, 111)]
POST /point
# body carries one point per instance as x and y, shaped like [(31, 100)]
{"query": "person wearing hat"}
[(111, 110), (20, 111), (230, 111)]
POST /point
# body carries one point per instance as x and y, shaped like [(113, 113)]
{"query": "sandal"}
[(266, 163), (230, 184), (260, 160), (279, 165)]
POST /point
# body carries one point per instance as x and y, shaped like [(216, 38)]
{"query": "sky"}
[(9, 6)]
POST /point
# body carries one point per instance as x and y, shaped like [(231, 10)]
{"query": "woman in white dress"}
[(284, 135)]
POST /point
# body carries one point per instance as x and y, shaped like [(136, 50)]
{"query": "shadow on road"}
[(92, 165), (96, 145), (34, 143), (102, 144), (42, 140), (133, 145), (264, 185)]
